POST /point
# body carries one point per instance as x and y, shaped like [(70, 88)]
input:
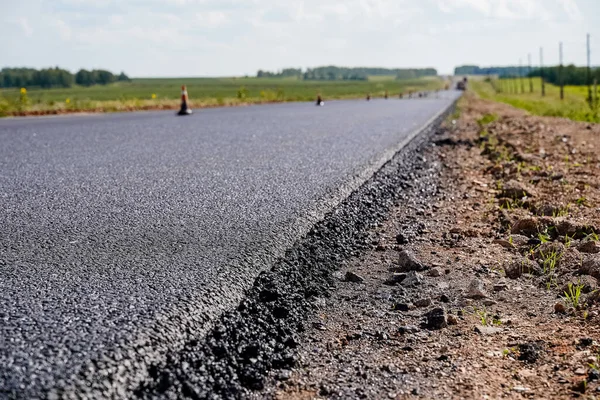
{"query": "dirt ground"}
[(463, 294)]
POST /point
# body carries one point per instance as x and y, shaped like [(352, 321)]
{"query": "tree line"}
[(502, 72), (572, 75), (333, 73), (56, 77)]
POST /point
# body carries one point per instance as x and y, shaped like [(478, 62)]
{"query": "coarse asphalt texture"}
[(122, 235)]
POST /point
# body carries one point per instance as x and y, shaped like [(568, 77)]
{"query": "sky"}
[(170, 38)]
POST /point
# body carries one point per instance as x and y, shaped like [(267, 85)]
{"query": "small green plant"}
[(242, 93), (593, 237), (561, 211), (573, 294), (582, 201), (487, 119), (510, 239), (549, 263), (544, 237), (511, 351), (568, 241), (23, 99), (485, 318), (596, 364)]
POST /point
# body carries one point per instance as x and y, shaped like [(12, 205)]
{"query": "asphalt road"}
[(121, 234)]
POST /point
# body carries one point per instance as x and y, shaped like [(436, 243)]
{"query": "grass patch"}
[(574, 106), (156, 93)]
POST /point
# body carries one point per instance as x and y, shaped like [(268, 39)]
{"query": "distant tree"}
[(572, 75), (500, 71), (102, 77), (123, 78), (55, 77), (84, 78)]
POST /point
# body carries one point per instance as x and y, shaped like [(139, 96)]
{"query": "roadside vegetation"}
[(575, 106), (157, 93)]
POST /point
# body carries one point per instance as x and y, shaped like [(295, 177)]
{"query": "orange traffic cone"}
[(185, 110)]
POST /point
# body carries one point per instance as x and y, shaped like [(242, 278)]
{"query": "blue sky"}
[(238, 37)]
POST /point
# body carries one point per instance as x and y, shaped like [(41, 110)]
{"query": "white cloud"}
[(24, 24), (515, 9), (116, 20), (211, 18), (63, 29), (482, 6), (147, 37), (572, 9)]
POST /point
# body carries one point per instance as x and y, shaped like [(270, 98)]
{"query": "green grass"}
[(573, 294), (203, 92), (574, 106)]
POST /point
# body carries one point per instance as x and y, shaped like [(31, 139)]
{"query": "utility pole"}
[(530, 77), (589, 70), (560, 72), (521, 75), (542, 71)]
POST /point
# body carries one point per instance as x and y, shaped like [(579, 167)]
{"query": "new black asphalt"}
[(119, 234)]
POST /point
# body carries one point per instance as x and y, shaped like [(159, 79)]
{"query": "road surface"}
[(121, 233)]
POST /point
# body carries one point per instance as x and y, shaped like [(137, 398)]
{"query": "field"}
[(164, 93), (574, 106)]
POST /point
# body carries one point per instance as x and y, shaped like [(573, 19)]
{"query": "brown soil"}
[(507, 187)]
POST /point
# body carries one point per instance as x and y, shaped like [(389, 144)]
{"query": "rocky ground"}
[(486, 288)]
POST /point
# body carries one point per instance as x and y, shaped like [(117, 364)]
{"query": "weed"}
[(593, 237), (568, 241), (573, 294), (561, 211), (487, 119), (485, 318), (596, 364), (549, 263), (544, 237), (512, 351), (582, 201)]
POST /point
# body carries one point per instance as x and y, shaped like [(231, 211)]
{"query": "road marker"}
[(184, 110), (320, 101)]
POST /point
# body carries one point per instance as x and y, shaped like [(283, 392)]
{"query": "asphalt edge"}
[(156, 376), (262, 333)]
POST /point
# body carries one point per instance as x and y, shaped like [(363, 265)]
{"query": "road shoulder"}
[(462, 292)]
